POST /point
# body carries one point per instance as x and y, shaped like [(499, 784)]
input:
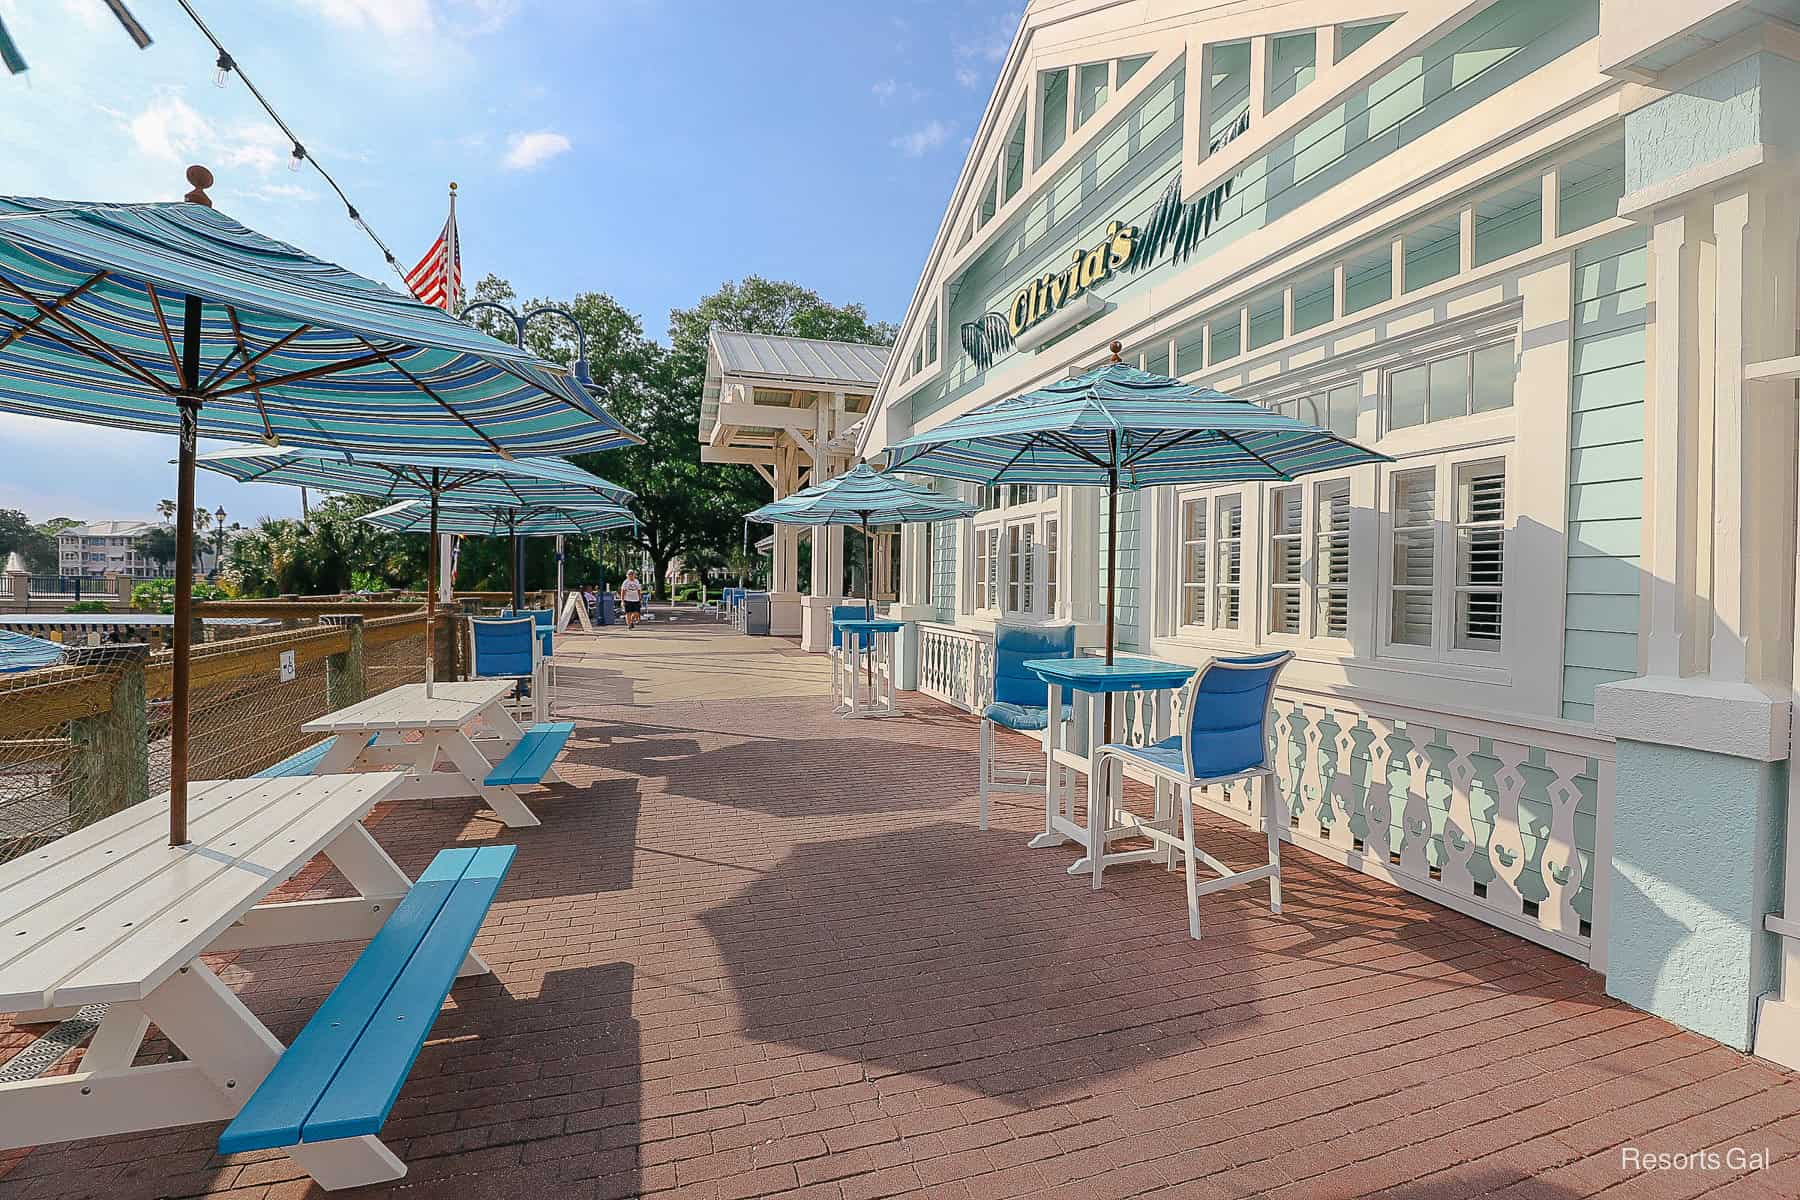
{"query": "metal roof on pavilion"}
[(810, 363)]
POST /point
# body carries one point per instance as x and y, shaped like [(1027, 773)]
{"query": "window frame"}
[(1037, 514), (1449, 467), (1467, 353)]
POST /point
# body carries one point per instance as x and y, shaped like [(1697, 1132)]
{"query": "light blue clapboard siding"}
[(1130, 538), (943, 569), (1606, 470)]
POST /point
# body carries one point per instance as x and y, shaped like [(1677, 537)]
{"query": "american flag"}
[(437, 280)]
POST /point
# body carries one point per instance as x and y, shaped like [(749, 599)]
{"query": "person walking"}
[(632, 593)]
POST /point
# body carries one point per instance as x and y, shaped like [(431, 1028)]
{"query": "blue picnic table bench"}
[(342, 1074)]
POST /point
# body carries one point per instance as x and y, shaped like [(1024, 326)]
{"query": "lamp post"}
[(583, 376), (218, 542)]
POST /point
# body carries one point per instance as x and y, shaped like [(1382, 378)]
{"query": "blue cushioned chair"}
[(511, 648), (1225, 737), (1021, 702)]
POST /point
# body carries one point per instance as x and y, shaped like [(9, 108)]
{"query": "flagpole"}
[(453, 293)]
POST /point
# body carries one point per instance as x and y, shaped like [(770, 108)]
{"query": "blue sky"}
[(648, 148)]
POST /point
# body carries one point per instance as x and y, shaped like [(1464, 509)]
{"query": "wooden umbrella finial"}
[(202, 179), (1115, 348)]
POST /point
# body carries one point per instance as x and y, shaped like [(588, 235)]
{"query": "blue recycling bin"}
[(609, 609)]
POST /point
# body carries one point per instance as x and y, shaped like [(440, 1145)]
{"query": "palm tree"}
[(167, 508)]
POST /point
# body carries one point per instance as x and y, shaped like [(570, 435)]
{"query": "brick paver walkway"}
[(754, 950)]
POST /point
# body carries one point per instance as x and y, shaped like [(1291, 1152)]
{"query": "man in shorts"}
[(632, 593)]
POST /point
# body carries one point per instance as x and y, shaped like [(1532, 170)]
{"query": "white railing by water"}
[(1510, 823)]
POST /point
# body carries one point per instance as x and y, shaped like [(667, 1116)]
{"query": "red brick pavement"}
[(757, 951)]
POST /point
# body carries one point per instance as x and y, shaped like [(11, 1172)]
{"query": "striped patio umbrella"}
[(173, 317), (1117, 427), (518, 481), (500, 520), (862, 496)]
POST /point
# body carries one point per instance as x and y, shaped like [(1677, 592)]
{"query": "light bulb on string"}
[(222, 70), (297, 157)]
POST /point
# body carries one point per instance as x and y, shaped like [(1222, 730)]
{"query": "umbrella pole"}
[(1112, 572), (869, 596), (518, 569), (431, 591), (189, 405)]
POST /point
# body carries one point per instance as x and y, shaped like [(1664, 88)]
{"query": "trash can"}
[(609, 614), (756, 614)]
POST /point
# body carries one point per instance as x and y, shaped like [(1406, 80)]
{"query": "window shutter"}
[(1227, 572), (1331, 525), (1480, 556), (1285, 553), (1415, 511), (1193, 567)]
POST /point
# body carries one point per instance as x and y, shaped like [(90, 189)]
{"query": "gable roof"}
[(777, 357)]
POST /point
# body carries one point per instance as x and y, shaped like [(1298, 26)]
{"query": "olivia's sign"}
[(1043, 296)]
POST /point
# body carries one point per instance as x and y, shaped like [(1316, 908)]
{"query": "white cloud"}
[(529, 151), (276, 193), (887, 91), (413, 19), (974, 58), (924, 139), (169, 129)]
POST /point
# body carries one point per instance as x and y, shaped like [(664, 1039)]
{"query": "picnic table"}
[(1093, 684), (112, 914), (373, 734)]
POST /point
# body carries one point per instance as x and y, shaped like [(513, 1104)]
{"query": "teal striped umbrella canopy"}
[(499, 520), (518, 482), (862, 496), (292, 350), (1118, 427)]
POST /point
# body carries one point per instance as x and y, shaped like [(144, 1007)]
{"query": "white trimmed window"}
[(1287, 554), (1193, 562), (1447, 559), (1228, 561), (1457, 385), (1331, 558), (1016, 552)]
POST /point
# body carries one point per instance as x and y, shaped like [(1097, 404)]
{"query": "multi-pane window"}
[(1193, 562), (1019, 573), (1286, 557), (1333, 409), (1480, 554), (1013, 167), (987, 568), (1050, 526), (1414, 512), (1331, 558), (1454, 386), (1449, 557), (1228, 560)]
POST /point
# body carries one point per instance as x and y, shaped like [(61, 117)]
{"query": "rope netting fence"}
[(91, 737)]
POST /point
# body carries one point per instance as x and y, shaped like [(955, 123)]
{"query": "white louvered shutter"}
[(1285, 553), (1415, 558), (1480, 555), (1331, 532)]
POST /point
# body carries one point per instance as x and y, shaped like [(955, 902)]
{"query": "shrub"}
[(89, 606)]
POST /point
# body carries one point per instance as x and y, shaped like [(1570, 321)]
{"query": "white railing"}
[(956, 665), (1508, 823)]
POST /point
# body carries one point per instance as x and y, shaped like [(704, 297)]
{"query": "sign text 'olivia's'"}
[(1043, 296)]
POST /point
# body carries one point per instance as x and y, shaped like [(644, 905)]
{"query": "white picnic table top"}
[(450, 706), (110, 911)]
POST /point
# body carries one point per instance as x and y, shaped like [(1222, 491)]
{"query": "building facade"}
[(1541, 253), (104, 548)]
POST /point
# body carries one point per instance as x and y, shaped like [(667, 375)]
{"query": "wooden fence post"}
[(345, 681), (109, 752)]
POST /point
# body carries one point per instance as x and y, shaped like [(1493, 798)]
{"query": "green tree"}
[(685, 509), (32, 542), (158, 545)]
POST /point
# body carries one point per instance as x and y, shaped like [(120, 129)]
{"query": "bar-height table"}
[(1094, 684), (874, 640)]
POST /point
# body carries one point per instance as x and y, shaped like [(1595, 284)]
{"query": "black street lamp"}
[(583, 376), (218, 542)]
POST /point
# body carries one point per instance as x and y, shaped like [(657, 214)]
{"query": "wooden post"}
[(109, 751), (345, 679)]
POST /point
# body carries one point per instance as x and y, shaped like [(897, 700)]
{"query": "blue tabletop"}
[(858, 625), (1124, 675)]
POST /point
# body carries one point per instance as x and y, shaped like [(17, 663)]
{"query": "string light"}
[(224, 68)]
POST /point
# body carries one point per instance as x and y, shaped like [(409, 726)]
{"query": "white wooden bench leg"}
[(115, 1044), (473, 964), (360, 859), (503, 800), (236, 1051)]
